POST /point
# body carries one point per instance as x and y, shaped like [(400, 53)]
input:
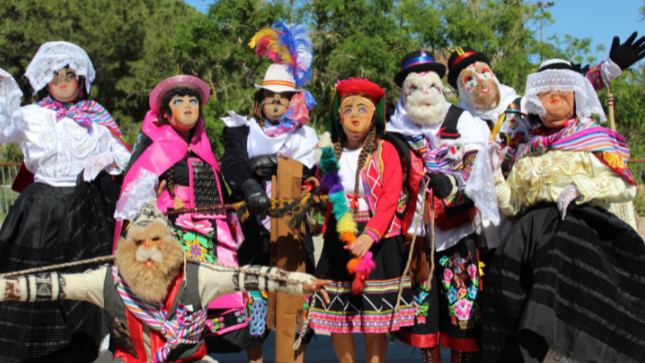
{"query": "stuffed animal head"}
[(450, 139), (423, 98), (148, 257), (512, 120)]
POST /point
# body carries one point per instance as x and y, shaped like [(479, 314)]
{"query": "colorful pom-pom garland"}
[(345, 225)]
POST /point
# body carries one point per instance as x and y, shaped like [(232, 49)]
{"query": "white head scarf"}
[(53, 56), (563, 79)]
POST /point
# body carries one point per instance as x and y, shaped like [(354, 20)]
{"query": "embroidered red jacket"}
[(382, 179)]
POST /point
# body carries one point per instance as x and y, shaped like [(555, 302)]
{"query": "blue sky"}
[(600, 19)]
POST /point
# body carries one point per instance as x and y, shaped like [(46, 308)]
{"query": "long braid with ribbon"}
[(345, 225)]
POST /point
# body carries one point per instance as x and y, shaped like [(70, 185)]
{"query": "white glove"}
[(496, 158), (95, 164), (567, 195)]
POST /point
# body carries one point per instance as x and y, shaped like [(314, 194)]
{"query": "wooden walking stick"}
[(610, 106)]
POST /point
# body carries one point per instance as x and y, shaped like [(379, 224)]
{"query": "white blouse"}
[(57, 151), (348, 165)]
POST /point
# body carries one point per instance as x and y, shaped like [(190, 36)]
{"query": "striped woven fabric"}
[(185, 329), (84, 112), (577, 135), (434, 160)]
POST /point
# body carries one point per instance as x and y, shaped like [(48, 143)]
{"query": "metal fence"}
[(7, 196)]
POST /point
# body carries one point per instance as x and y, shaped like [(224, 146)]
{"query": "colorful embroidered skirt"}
[(576, 286), (449, 311), (372, 311)]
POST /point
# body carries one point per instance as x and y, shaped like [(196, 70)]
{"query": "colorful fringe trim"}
[(345, 226)]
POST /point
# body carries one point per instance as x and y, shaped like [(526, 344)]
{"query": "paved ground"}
[(321, 351)]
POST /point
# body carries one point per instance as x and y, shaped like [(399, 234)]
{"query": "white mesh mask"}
[(587, 102), (53, 56)]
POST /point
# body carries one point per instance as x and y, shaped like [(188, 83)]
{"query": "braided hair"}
[(256, 109), (368, 148)]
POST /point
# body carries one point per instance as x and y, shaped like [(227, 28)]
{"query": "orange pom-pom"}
[(348, 237), (352, 264)]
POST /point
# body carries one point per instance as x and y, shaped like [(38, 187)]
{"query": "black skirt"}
[(576, 286), (48, 226), (372, 311)]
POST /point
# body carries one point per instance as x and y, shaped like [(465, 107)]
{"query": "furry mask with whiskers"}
[(149, 259)]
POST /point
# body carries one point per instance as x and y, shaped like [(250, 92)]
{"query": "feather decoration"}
[(345, 224), (289, 45)]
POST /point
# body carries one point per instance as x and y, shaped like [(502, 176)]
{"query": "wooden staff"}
[(610, 106)]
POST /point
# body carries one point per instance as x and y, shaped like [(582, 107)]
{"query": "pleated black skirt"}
[(576, 286), (48, 226)]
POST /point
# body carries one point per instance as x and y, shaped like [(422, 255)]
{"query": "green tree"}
[(214, 47), (128, 42)]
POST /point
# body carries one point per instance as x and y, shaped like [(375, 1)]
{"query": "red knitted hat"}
[(358, 85)]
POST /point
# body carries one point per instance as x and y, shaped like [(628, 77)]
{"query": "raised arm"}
[(10, 115), (53, 286)]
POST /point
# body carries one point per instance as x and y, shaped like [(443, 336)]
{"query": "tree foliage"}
[(134, 44), (129, 42)]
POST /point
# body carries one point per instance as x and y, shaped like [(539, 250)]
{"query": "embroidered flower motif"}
[(421, 319), (202, 226), (451, 295), (443, 260), (462, 293), (194, 250), (472, 292), (462, 309), (215, 324), (472, 271), (447, 276)]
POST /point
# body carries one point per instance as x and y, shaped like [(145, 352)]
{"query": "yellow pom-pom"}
[(347, 224)]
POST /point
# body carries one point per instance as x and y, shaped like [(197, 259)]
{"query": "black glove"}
[(441, 185), (262, 165), (257, 201), (628, 53)]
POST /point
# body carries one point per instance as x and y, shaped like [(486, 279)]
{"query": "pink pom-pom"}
[(366, 264)]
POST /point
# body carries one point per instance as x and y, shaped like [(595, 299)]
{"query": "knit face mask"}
[(478, 87)]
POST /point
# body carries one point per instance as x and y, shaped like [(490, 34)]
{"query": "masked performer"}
[(363, 177), (439, 142), (504, 110), (173, 145), (62, 136), (156, 303), (566, 284), (268, 155)]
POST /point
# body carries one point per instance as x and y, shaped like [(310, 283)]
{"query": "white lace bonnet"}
[(559, 75), (53, 56)]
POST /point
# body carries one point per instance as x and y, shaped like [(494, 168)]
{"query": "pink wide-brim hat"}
[(168, 84)]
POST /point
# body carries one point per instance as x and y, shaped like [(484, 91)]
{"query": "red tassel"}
[(359, 281)]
